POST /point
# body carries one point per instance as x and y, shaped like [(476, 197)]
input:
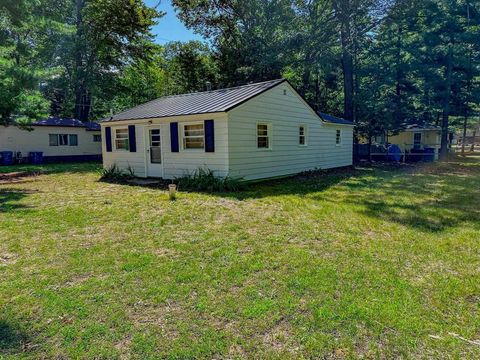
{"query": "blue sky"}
[(169, 27)]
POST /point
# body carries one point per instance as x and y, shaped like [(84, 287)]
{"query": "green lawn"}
[(372, 263)]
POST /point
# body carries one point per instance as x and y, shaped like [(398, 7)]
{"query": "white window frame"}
[(56, 137), (305, 135), (338, 132), (67, 136), (115, 138), (68, 143), (70, 139), (184, 148), (269, 135)]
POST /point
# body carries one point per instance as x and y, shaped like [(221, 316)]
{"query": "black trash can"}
[(6, 157), (35, 157)]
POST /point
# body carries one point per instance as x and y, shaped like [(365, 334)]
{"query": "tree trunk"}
[(343, 13), (464, 134), (82, 103), (398, 79), (446, 105), (468, 90), (347, 64), (474, 134)]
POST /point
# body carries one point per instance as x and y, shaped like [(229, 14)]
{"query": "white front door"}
[(154, 152)]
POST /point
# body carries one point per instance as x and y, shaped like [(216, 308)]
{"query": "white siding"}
[(285, 113), (236, 150), (126, 159), (187, 161), (175, 164), (14, 139)]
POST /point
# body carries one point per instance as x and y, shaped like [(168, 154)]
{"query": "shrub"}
[(114, 173), (205, 180)]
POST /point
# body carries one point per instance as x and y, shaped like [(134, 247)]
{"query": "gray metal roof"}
[(195, 103), (333, 119), (425, 126), (67, 122)]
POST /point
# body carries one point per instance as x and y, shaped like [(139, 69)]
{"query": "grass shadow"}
[(430, 198), (52, 168), (10, 198), (12, 338), (299, 185)]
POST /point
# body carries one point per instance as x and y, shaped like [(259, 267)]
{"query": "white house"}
[(253, 131), (59, 139)]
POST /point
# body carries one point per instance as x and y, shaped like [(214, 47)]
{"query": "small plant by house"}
[(206, 180), (115, 174)]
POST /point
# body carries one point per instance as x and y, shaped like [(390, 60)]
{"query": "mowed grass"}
[(372, 263)]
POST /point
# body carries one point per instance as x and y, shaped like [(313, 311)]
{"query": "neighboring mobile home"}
[(415, 139), (59, 139), (253, 131)]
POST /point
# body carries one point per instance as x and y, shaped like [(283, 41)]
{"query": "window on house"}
[(193, 136), (263, 136), (302, 140), (97, 138), (338, 137), (417, 140), (121, 139), (53, 139), (62, 139), (73, 140)]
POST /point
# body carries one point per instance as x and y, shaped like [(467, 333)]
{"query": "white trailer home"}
[(254, 131), (59, 139)]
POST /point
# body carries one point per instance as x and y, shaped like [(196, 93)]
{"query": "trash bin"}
[(429, 154), (6, 157), (35, 157), (394, 153)]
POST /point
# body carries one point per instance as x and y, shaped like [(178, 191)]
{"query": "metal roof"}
[(425, 126), (195, 103), (333, 119), (67, 122)]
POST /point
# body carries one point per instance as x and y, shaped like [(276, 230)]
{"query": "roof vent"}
[(208, 86)]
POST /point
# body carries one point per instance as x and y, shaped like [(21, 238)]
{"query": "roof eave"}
[(109, 121)]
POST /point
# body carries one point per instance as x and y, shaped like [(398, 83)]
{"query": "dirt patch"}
[(123, 346), (164, 252), (161, 316), (8, 259), (18, 176), (280, 339)]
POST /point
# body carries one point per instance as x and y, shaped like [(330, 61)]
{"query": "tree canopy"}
[(383, 64)]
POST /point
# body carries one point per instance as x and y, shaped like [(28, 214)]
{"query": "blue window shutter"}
[(209, 136), (132, 141), (108, 138), (174, 136)]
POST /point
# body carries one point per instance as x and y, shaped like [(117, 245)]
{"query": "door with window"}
[(417, 141), (154, 152)]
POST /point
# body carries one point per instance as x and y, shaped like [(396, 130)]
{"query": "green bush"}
[(205, 180), (114, 173)]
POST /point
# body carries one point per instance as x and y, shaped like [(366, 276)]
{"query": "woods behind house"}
[(382, 64)]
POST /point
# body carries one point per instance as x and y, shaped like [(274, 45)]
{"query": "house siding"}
[(125, 160), (284, 113), (175, 164), (430, 138), (15, 139)]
